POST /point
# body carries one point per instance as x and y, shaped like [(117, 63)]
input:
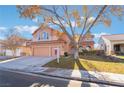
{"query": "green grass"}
[(89, 63), (121, 57), (64, 63), (1, 60)]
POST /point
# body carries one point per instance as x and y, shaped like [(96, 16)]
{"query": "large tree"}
[(13, 40), (72, 20)]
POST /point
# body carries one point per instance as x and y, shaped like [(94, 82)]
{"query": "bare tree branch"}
[(83, 30), (99, 14), (68, 19)]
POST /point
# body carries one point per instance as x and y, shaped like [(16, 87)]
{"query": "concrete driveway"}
[(25, 62)]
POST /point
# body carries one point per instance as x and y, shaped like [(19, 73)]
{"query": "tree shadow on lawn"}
[(67, 63), (81, 67), (61, 64), (64, 63)]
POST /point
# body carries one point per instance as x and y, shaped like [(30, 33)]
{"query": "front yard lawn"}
[(89, 63), (121, 57), (1, 60)]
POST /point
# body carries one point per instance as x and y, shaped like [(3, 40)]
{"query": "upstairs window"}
[(38, 37), (42, 36), (45, 36)]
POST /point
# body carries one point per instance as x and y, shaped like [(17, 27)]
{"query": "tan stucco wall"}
[(110, 45), (26, 50), (106, 43), (52, 34), (50, 45), (45, 48)]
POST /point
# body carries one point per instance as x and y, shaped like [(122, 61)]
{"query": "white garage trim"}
[(50, 51), (49, 48)]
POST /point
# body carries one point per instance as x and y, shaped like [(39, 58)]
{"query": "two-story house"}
[(48, 42), (87, 41)]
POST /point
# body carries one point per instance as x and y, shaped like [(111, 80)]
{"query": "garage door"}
[(41, 51)]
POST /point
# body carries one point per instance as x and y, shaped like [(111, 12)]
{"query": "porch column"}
[(122, 48), (112, 49), (49, 50)]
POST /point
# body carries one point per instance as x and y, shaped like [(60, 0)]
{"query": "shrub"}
[(65, 54), (92, 52), (1, 54)]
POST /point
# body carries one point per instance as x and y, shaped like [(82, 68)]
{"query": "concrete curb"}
[(85, 80), (31, 74)]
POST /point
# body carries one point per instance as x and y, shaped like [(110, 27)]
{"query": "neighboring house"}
[(22, 49), (49, 42), (87, 41), (1, 48), (112, 44)]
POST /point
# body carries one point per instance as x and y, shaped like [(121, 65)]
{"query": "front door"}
[(56, 52), (117, 48)]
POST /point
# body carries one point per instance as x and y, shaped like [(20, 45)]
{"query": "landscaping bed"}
[(90, 63)]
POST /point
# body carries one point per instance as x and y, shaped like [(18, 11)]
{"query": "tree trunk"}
[(76, 54), (13, 52)]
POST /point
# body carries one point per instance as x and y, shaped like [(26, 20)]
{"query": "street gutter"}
[(85, 80)]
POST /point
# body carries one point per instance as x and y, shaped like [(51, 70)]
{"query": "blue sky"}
[(9, 18)]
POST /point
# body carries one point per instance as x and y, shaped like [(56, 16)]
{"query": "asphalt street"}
[(13, 79)]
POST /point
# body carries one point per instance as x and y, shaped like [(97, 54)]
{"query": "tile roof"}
[(46, 27), (114, 37)]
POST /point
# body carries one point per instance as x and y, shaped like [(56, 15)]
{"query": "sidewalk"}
[(90, 76)]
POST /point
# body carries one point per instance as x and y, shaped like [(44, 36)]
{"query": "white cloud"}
[(90, 20), (96, 46), (3, 28), (2, 37), (20, 28), (72, 22), (2, 31), (25, 28), (98, 35), (35, 20)]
